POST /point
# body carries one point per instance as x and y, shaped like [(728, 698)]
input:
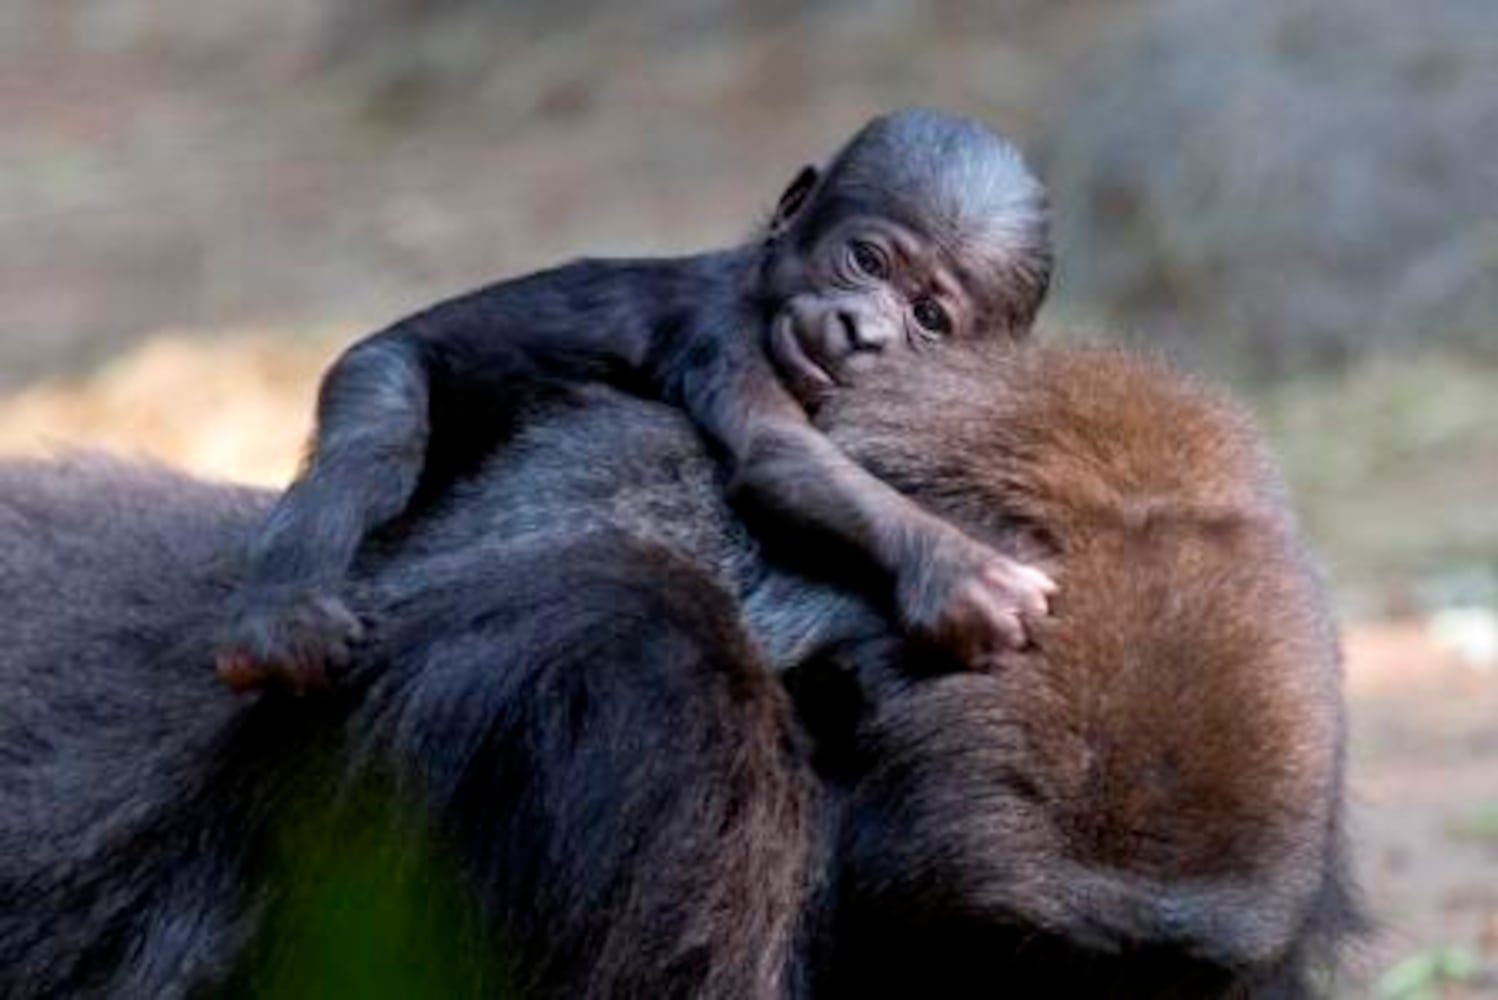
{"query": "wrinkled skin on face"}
[(867, 289), (861, 269)]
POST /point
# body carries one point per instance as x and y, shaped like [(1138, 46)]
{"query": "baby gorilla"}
[(925, 227)]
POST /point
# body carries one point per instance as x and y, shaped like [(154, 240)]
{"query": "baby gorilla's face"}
[(865, 292)]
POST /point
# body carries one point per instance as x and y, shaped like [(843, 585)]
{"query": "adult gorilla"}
[(576, 677)]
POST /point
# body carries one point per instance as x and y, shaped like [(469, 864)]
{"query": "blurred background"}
[(201, 200)]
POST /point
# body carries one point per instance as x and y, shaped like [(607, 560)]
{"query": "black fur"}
[(405, 413), (582, 694)]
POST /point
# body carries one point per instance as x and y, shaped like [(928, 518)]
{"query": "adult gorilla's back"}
[(609, 757), (575, 653)]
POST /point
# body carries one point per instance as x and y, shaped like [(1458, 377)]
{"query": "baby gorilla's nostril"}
[(855, 334)]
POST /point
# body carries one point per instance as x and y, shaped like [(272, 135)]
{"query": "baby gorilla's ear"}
[(794, 198)]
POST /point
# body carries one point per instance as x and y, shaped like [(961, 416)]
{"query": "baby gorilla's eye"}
[(932, 317), (869, 259)]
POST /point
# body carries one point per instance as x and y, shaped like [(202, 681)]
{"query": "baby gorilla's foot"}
[(973, 601), (288, 641)]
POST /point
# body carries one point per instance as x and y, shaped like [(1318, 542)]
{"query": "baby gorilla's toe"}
[(290, 644), (239, 671)]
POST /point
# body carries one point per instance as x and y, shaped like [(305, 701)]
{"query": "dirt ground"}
[(1424, 757)]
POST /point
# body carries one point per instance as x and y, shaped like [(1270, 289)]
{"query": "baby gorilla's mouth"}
[(803, 374)]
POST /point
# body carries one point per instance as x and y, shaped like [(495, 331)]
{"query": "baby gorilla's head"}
[(925, 227)]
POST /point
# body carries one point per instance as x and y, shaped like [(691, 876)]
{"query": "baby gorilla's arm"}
[(948, 587), (418, 403)]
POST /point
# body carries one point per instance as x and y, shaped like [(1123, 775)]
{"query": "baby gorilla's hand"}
[(971, 600), (287, 640)]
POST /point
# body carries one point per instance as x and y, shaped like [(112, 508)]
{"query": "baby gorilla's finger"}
[(1025, 586), (1036, 577), (1000, 625)]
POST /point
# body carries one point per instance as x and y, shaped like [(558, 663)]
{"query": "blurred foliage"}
[(201, 165), (362, 903), (1263, 186), (1425, 976), (1258, 186), (1478, 824)]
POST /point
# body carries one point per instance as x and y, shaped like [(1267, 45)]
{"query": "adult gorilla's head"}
[(1149, 800)]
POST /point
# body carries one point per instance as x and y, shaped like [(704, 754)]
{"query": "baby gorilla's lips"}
[(795, 363)]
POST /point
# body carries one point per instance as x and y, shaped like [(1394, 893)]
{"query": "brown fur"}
[(1172, 765)]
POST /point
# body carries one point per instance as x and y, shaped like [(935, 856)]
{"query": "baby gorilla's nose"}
[(859, 333)]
